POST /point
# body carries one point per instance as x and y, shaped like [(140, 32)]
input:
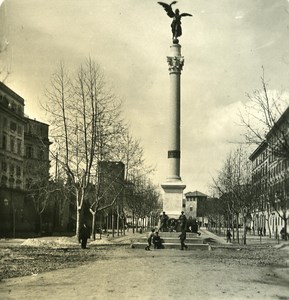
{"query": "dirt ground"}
[(125, 273)]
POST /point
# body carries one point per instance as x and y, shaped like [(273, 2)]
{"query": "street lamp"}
[(6, 204)]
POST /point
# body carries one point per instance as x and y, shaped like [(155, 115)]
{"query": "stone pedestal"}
[(173, 187), (173, 198)]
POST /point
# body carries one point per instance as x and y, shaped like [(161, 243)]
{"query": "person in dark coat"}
[(183, 221), (183, 237), (164, 222), (229, 235), (157, 241), (83, 236)]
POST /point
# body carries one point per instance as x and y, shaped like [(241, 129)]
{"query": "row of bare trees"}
[(267, 123), (88, 130), (234, 187)]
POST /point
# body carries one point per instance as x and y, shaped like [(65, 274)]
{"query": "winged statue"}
[(176, 16)]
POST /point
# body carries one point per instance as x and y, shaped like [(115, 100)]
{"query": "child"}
[(150, 236)]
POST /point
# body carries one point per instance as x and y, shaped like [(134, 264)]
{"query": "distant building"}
[(110, 188), (190, 204), (24, 157)]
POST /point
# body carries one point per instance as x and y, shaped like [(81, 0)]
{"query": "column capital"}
[(176, 64)]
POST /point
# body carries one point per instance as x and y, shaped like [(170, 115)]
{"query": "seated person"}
[(157, 241)]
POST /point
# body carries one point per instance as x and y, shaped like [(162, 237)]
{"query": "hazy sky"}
[(225, 45)]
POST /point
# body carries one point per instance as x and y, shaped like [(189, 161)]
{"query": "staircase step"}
[(190, 246), (176, 234), (166, 240)]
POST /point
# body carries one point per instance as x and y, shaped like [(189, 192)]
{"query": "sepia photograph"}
[(144, 149)]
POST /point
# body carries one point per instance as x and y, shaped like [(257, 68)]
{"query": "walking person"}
[(83, 236), (183, 237), (229, 236), (150, 237)]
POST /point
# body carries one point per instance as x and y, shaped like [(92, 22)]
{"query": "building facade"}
[(190, 205), (270, 178), (24, 158)]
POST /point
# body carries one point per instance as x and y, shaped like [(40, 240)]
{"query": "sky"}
[(225, 44)]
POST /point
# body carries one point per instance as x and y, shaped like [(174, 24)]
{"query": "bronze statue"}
[(176, 23)]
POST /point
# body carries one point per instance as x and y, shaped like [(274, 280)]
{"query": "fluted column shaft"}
[(175, 62)]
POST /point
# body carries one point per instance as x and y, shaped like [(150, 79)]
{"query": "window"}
[(40, 154), (12, 144), (4, 122), (19, 109), (4, 166), (12, 169), (4, 180), (4, 142), (13, 106), (19, 147), (28, 128), (19, 130), (29, 152), (13, 126)]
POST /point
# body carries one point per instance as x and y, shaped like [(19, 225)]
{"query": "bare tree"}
[(130, 152), (267, 122), (234, 184), (4, 43), (144, 198), (107, 190), (85, 115)]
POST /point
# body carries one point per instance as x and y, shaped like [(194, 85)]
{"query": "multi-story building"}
[(270, 177), (24, 158)]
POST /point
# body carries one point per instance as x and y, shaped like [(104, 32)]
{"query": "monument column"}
[(173, 187)]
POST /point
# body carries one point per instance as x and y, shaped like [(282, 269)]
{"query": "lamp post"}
[(6, 205)]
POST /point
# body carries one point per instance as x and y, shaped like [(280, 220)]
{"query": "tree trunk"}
[(285, 225), (77, 221), (112, 223), (40, 224), (268, 225), (123, 225), (117, 224), (245, 230), (233, 227), (107, 221), (93, 224), (237, 228), (133, 221)]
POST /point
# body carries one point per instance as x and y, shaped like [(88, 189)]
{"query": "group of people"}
[(166, 224), (155, 239), (171, 224)]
